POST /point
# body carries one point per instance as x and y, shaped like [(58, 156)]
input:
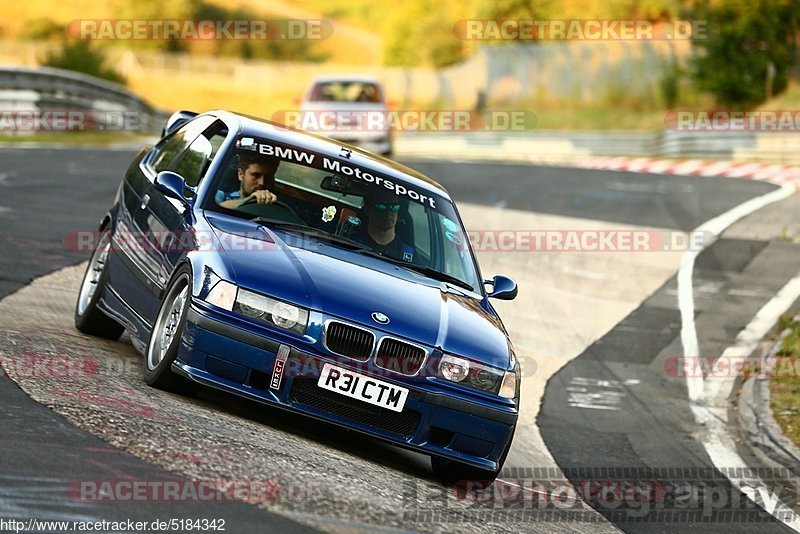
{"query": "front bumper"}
[(240, 359)]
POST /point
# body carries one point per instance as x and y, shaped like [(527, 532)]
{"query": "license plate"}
[(363, 388)]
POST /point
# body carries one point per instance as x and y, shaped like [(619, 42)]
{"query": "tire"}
[(162, 349), (88, 317), (451, 471)]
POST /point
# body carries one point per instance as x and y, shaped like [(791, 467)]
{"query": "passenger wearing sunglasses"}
[(381, 236)]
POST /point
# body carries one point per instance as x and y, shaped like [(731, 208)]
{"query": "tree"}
[(514, 9), (81, 56), (42, 29), (747, 39), (420, 32)]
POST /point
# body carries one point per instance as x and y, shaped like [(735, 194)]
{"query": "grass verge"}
[(784, 387), (98, 139)]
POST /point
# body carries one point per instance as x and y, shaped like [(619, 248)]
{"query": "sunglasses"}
[(394, 207)]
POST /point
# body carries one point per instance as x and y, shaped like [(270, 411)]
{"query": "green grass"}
[(598, 118), (77, 138), (356, 41), (785, 386), (788, 100)]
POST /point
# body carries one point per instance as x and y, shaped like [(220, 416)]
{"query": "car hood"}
[(352, 286), (343, 106)]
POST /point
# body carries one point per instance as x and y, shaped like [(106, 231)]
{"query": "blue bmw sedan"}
[(311, 276)]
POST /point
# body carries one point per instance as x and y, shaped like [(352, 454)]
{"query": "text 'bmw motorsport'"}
[(292, 154)]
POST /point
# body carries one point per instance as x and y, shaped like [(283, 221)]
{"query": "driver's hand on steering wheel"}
[(262, 196)]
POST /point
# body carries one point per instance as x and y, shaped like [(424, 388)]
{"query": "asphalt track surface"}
[(619, 411), (45, 193)]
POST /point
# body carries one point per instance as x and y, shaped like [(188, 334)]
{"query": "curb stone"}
[(778, 174), (762, 432)]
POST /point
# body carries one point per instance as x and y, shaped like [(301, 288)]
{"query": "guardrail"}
[(48, 89), (25, 88), (557, 146)]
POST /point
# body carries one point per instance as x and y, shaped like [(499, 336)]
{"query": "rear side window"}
[(166, 152), (194, 161)]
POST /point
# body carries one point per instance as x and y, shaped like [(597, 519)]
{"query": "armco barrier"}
[(563, 146), (24, 88)]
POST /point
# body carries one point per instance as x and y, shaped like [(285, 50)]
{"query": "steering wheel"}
[(276, 210)]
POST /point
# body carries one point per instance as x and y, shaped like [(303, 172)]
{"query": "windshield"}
[(346, 91), (358, 208)]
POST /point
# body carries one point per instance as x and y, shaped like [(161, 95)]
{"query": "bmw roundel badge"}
[(380, 318)]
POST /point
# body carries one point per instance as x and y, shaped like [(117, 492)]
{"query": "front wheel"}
[(88, 317), (165, 338)]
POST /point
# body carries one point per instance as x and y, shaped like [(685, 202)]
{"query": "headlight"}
[(471, 374), (271, 311), (453, 369)]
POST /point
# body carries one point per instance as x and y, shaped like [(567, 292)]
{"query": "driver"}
[(256, 177)]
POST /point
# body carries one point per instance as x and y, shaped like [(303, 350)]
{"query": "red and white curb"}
[(694, 167)]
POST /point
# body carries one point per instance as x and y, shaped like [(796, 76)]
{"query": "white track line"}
[(714, 227), (710, 407)]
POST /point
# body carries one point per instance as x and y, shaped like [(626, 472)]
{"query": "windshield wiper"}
[(428, 271), (439, 275), (362, 249), (310, 230), (264, 221)]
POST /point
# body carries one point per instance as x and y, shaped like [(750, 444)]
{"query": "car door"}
[(132, 273), (167, 221)]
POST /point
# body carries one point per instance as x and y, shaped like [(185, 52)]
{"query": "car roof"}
[(255, 127), (346, 78)]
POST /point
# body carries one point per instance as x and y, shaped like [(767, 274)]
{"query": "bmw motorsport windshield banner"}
[(343, 168)]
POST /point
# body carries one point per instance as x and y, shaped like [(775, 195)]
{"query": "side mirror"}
[(172, 185), (503, 288)]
